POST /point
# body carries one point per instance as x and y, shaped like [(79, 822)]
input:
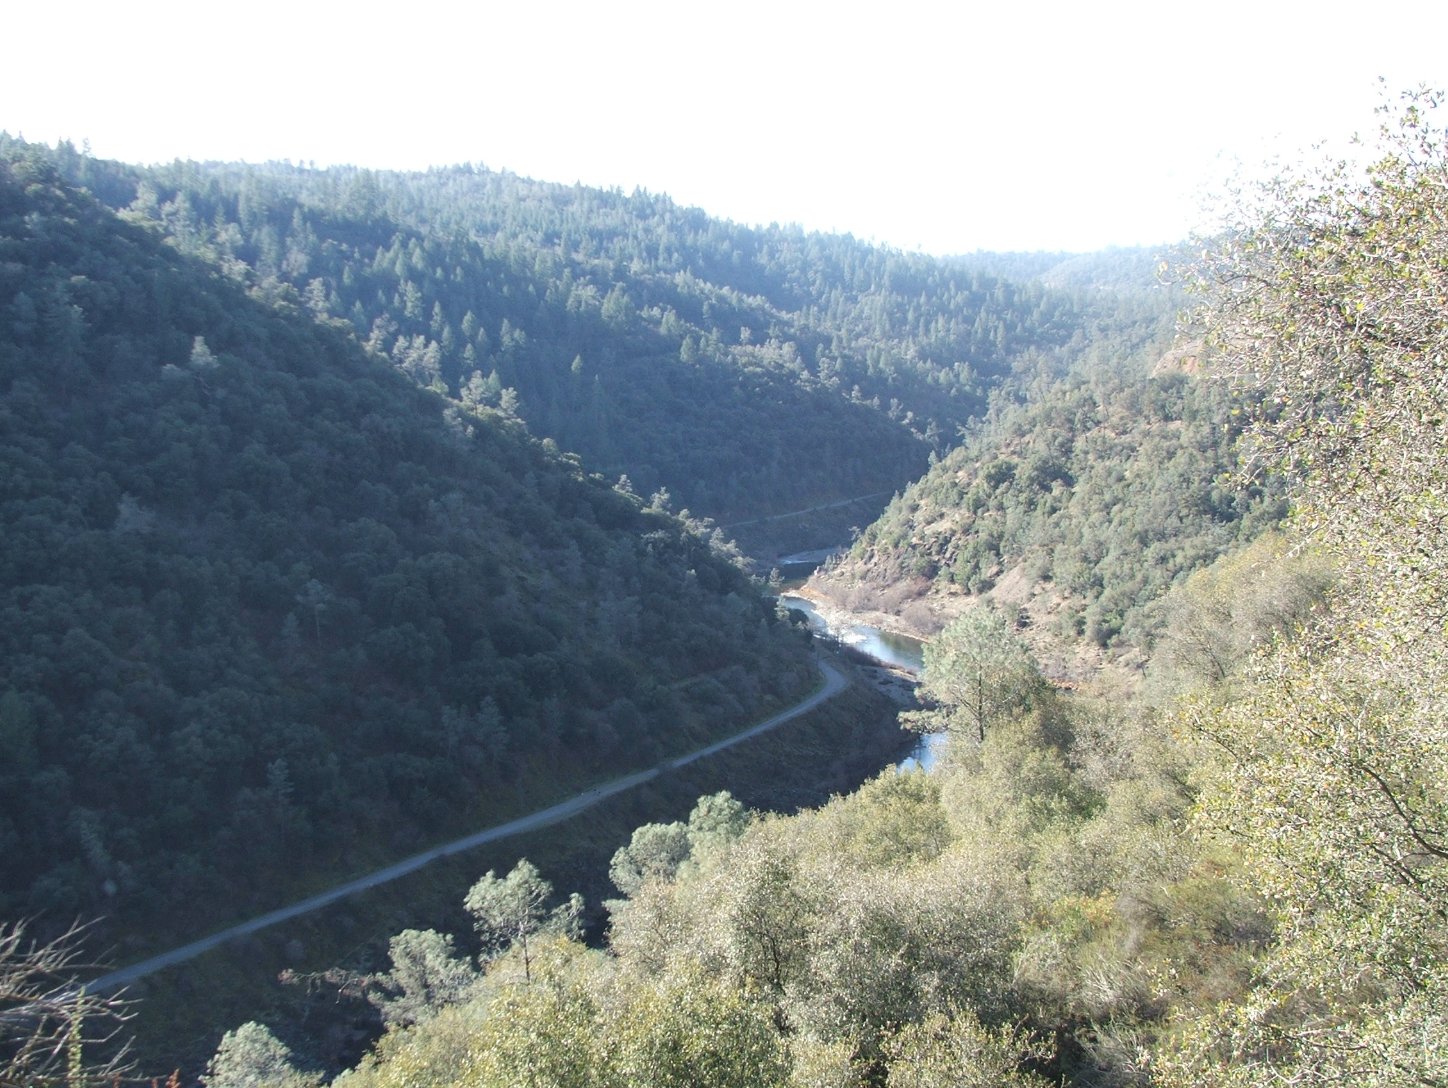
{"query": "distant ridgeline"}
[(268, 607), (747, 372)]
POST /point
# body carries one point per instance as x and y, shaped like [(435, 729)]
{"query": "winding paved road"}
[(833, 684)]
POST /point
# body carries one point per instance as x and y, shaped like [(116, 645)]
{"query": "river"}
[(888, 648)]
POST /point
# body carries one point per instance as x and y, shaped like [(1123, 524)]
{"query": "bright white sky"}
[(946, 126)]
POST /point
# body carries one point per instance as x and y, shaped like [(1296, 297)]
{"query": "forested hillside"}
[(270, 612), (1235, 879), (745, 371), (1102, 473), (1080, 507)]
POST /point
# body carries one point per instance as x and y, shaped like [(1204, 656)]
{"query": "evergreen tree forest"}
[(745, 371), (272, 613), (1080, 506)]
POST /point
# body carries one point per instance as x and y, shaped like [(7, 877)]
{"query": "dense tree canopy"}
[(747, 371), (266, 606), (1085, 503)]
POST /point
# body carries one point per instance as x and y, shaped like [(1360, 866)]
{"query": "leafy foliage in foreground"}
[(1037, 910), (1031, 910), (268, 609), (1331, 296)]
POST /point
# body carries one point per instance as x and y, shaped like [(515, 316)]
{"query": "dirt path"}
[(806, 510), (833, 683)]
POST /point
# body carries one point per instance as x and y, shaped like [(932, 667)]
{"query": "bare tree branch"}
[(52, 1030)]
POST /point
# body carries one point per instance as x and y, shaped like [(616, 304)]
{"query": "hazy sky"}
[(941, 126)]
